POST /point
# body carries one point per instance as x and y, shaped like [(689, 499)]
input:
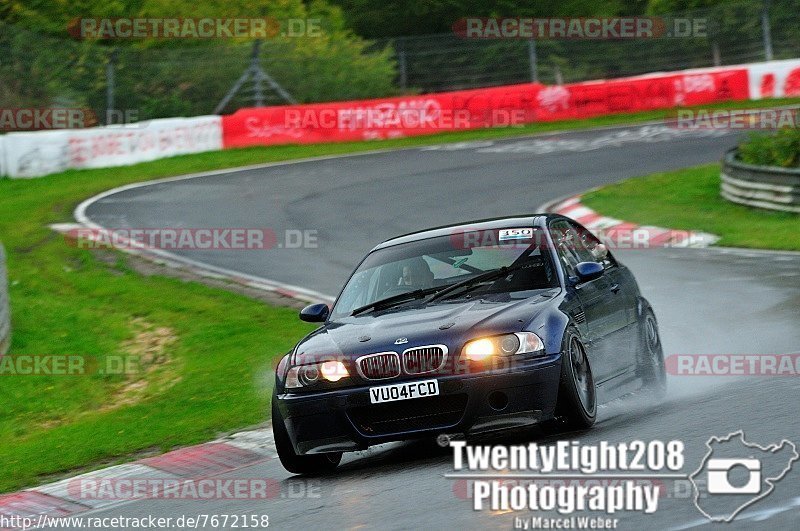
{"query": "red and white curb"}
[(177, 470), (621, 234)]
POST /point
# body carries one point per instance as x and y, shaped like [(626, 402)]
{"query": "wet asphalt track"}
[(707, 301)]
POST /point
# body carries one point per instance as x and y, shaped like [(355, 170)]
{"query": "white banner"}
[(3, 171), (774, 79), (41, 153)]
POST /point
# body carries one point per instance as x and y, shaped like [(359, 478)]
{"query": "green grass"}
[(689, 199), (219, 352), (779, 148), (220, 347)]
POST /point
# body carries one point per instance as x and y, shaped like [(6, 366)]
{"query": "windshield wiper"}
[(437, 292), (474, 281), (394, 300)]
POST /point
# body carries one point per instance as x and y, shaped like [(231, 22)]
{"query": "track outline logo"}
[(771, 481)]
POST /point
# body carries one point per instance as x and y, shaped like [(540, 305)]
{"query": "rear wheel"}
[(577, 395), (651, 357), (313, 464)]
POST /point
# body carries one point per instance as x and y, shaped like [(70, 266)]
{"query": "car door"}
[(619, 301), (593, 298)]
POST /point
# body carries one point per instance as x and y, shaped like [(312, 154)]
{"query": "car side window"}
[(591, 249), (562, 235), (575, 244)]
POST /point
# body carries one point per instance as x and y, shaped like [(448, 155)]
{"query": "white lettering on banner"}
[(41, 153), (256, 128), (698, 83), (553, 98), (774, 79)]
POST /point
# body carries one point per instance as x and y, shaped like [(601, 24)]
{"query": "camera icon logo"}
[(735, 474), (719, 471)]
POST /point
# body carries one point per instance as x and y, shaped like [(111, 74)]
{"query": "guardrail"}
[(5, 306), (760, 186)]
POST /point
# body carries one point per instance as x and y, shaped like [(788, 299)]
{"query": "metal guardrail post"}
[(111, 86), (766, 31), (533, 61)]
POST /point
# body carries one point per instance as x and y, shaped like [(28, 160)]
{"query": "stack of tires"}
[(760, 186)]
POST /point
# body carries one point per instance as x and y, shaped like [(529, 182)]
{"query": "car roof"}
[(529, 220)]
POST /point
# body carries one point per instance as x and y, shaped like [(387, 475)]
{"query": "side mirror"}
[(315, 313), (589, 271)]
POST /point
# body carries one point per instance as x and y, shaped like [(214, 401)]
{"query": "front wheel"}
[(651, 357), (577, 394), (313, 464)]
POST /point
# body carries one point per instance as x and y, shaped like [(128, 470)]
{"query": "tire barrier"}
[(760, 186)]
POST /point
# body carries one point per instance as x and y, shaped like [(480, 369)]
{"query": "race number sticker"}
[(516, 234)]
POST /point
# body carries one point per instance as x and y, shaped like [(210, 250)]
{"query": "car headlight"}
[(504, 345), (315, 373)]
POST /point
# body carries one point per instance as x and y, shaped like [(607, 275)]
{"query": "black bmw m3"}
[(466, 329)]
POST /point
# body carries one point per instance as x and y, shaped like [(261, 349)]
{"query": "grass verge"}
[(689, 199), (203, 356), (199, 358)]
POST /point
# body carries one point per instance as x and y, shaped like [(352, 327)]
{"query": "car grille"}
[(379, 366), (431, 413), (424, 359)]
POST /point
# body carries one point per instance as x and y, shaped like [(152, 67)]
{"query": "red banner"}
[(469, 109), (645, 93), (382, 118)]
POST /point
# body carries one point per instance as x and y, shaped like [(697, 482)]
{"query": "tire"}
[(577, 393), (651, 357), (314, 464)]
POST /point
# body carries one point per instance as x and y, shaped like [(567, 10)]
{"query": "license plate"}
[(403, 391)]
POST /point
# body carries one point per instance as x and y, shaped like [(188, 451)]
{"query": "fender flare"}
[(642, 305), (552, 331)]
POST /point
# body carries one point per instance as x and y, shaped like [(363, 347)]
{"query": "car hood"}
[(450, 324)]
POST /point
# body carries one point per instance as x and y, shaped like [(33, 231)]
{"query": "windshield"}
[(437, 263)]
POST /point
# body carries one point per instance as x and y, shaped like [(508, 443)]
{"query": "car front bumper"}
[(344, 420)]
